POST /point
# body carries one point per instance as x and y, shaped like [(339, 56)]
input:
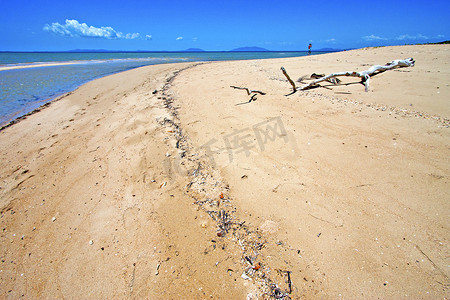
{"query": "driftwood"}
[(248, 90), (333, 80), (364, 75), (252, 98), (290, 80)]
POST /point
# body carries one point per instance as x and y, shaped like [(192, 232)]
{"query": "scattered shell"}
[(245, 276), (53, 219), (269, 226), (91, 242), (163, 185)]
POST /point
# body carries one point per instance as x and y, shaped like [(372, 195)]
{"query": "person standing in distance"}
[(309, 49)]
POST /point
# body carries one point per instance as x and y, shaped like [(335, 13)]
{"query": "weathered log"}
[(364, 75)]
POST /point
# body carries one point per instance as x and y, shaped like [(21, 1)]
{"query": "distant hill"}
[(194, 50), (250, 49)]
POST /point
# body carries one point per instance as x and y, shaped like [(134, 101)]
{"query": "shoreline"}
[(377, 106), (18, 116), (134, 199), (155, 60), (93, 61), (23, 65), (47, 103)]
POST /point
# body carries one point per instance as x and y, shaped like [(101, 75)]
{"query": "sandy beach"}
[(166, 182)]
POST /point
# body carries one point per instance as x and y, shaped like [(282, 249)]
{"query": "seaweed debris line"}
[(211, 195)]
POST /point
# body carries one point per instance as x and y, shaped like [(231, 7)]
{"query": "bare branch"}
[(252, 98), (334, 81), (289, 79), (248, 90)]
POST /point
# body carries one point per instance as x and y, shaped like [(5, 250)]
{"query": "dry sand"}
[(164, 182)]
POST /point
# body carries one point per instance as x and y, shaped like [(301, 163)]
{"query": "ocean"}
[(29, 80)]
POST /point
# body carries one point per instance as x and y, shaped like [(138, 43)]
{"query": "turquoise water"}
[(24, 89)]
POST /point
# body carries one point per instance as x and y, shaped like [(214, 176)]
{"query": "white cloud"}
[(179, 38), (373, 37), (73, 28), (411, 37), (148, 37), (195, 39), (129, 36), (332, 40)]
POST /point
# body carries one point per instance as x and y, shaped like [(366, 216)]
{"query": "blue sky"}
[(50, 25)]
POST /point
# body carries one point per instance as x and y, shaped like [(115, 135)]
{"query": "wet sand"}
[(166, 182)]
